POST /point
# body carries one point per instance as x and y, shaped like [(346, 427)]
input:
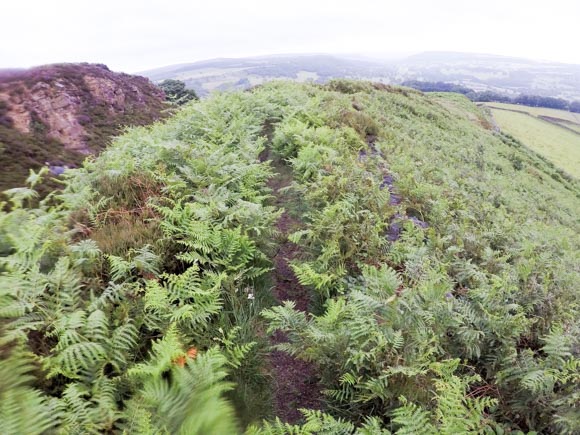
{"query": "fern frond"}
[(23, 409), (412, 420)]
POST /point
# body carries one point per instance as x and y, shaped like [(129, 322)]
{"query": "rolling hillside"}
[(223, 74), (506, 75), (502, 74), (348, 258)]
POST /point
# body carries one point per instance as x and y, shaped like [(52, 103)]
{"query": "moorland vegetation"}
[(441, 258)]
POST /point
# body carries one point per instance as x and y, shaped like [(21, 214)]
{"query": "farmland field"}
[(563, 115), (555, 134)]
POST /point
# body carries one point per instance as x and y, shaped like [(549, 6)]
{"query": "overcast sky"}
[(137, 35)]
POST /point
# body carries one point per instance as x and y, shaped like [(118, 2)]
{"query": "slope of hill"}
[(61, 113), (379, 256), (506, 75), (555, 134)]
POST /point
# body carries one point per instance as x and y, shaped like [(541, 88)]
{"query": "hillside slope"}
[(61, 113), (414, 271)]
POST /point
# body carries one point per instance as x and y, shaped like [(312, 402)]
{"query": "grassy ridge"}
[(442, 259)]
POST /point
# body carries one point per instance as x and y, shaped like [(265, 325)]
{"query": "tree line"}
[(490, 96)]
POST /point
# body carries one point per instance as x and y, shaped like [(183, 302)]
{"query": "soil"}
[(296, 382)]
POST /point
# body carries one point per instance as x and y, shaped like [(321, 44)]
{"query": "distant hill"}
[(221, 74), (480, 72), (60, 113), (494, 73)]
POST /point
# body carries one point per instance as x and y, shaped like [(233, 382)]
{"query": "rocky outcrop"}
[(63, 112), (63, 100)]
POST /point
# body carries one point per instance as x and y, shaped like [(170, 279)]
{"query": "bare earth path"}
[(295, 382)]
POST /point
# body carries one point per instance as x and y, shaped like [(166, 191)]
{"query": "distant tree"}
[(490, 96), (176, 92), (486, 96), (539, 101), (437, 87), (575, 106)]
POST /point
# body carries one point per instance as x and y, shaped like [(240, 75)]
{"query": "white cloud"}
[(135, 35)]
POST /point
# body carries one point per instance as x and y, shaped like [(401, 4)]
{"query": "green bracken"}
[(442, 258)]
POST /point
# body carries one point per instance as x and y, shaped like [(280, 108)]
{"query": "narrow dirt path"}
[(296, 384), (396, 224)]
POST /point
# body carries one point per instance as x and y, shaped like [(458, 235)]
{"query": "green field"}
[(557, 139), (562, 115)]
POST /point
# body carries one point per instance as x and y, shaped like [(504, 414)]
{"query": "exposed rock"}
[(61, 94), (76, 107)]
